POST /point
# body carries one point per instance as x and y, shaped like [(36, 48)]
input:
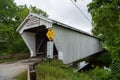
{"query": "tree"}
[(7, 16), (11, 16), (7, 11), (106, 25), (38, 11)]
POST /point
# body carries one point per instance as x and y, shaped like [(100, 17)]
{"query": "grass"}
[(55, 70), (22, 76)]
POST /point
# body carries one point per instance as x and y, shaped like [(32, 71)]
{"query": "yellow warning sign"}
[(50, 34)]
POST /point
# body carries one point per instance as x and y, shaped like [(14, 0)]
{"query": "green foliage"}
[(84, 76), (22, 76), (7, 11), (115, 67), (7, 15), (95, 74), (55, 70), (106, 21), (11, 16), (106, 25), (99, 74), (38, 11)]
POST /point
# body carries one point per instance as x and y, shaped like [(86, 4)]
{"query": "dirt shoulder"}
[(8, 71)]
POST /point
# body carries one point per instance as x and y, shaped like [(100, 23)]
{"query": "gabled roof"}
[(32, 14), (53, 22)]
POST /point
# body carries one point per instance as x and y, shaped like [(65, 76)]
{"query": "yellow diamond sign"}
[(50, 34)]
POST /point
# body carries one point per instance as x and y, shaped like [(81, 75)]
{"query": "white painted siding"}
[(32, 23), (75, 45), (59, 49), (29, 39)]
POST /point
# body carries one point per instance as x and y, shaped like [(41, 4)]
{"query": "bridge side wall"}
[(75, 45), (29, 39)]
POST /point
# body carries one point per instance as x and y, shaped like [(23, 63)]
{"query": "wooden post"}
[(31, 73)]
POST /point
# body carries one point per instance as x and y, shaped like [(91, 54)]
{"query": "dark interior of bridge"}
[(41, 41)]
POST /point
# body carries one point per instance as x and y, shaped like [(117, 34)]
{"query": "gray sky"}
[(63, 11)]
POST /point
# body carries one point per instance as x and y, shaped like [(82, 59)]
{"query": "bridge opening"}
[(41, 41)]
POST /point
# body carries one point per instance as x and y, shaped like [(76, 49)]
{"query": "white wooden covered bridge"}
[(70, 44)]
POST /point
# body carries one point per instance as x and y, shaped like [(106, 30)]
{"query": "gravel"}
[(8, 71)]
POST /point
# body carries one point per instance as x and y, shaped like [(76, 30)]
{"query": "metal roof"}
[(54, 22)]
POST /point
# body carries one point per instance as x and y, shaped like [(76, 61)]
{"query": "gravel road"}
[(8, 71)]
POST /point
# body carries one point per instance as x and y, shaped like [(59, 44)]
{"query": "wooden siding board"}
[(29, 39), (75, 45)]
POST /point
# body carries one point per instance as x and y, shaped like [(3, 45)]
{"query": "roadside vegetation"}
[(22, 76), (56, 70)]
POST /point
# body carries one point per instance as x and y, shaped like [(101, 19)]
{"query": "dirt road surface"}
[(8, 71)]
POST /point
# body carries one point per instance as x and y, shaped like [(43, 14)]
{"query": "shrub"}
[(99, 74), (115, 67)]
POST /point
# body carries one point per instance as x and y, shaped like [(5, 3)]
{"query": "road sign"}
[(49, 49), (50, 34)]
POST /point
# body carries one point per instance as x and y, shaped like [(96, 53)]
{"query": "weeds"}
[(55, 70), (22, 76)]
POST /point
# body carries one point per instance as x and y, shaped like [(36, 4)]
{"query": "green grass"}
[(56, 70), (22, 76)]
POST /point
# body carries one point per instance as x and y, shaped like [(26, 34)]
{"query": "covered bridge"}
[(70, 44)]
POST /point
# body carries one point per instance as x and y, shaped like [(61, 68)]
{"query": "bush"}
[(115, 67), (99, 74), (95, 74)]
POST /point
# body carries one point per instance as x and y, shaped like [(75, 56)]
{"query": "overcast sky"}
[(63, 11)]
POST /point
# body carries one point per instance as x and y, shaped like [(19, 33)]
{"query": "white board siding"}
[(75, 45), (30, 39), (59, 49), (32, 23)]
